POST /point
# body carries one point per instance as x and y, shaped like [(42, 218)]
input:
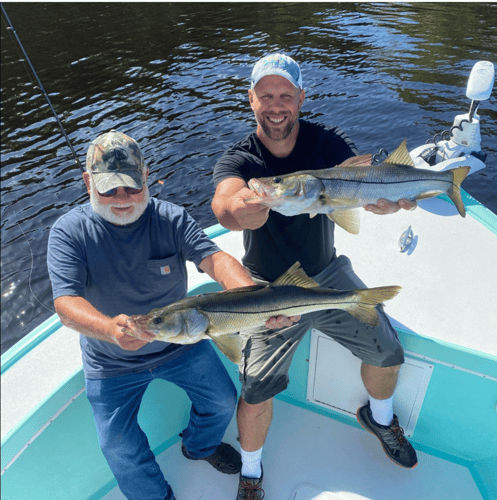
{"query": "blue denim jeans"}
[(115, 402)]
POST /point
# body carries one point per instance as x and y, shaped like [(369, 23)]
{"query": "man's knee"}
[(229, 401), (388, 370), (118, 447), (392, 358), (224, 405), (255, 410)]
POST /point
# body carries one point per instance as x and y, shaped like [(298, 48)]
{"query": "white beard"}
[(106, 212)]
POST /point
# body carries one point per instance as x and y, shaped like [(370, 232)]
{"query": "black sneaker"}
[(250, 488), (395, 445), (225, 459)]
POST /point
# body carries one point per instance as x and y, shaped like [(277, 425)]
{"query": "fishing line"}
[(31, 267)]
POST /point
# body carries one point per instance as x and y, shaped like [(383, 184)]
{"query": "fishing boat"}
[(446, 398)]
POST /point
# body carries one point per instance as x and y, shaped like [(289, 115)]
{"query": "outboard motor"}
[(461, 144)]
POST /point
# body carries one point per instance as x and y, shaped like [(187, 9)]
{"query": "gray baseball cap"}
[(114, 160), (277, 64)]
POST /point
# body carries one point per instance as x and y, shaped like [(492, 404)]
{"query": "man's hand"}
[(248, 215), (128, 338), (384, 207), (277, 322)]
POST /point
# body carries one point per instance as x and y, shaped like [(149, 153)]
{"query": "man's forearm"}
[(226, 270), (78, 314), (224, 216)]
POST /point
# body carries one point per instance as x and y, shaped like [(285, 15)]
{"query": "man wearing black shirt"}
[(282, 144)]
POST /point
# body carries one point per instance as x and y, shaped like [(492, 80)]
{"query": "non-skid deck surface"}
[(311, 457)]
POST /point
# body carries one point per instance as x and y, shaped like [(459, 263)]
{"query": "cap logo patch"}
[(116, 159)]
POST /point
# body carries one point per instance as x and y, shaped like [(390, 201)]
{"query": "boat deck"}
[(308, 456)]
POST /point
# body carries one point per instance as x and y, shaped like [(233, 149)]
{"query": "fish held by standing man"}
[(219, 316), (339, 191)]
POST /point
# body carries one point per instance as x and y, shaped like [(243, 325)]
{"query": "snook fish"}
[(339, 191), (221, 315)]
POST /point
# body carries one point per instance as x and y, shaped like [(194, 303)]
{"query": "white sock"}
[(251, 463), (382, 410)]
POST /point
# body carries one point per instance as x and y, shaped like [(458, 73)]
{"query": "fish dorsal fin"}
[(350, 219), (357, 161), (400, 156), (295, 276)]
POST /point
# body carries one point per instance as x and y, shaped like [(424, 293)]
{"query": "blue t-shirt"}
[(125, 270)]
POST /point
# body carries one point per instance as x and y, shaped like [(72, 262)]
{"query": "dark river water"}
[(174, 76)]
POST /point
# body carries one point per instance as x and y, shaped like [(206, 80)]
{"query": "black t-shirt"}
[(278, 244)]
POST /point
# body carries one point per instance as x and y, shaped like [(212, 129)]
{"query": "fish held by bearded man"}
[(220, 316)]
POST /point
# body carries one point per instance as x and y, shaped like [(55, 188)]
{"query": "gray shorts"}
[(266, 358)]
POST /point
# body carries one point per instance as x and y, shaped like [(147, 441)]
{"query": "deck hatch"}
[(335, 383)]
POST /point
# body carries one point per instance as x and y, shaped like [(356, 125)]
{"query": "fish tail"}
[(364, 309), (458, 174)]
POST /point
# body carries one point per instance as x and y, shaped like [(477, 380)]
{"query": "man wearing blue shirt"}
[(124, 253)]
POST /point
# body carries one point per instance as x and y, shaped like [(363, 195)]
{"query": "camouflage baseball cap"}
[(277, 64), (115, 160)]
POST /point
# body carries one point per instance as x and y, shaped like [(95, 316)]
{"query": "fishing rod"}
[(10, 27)]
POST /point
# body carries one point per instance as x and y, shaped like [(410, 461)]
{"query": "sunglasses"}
[(113, 192)]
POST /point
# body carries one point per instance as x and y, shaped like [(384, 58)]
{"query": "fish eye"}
[(157, 321), (276, 180)]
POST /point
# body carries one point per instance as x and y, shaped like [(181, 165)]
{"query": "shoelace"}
[(251, 490), (398, 432)]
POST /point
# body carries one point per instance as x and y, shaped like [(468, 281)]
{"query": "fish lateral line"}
[(281, 310), (399, 181)]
